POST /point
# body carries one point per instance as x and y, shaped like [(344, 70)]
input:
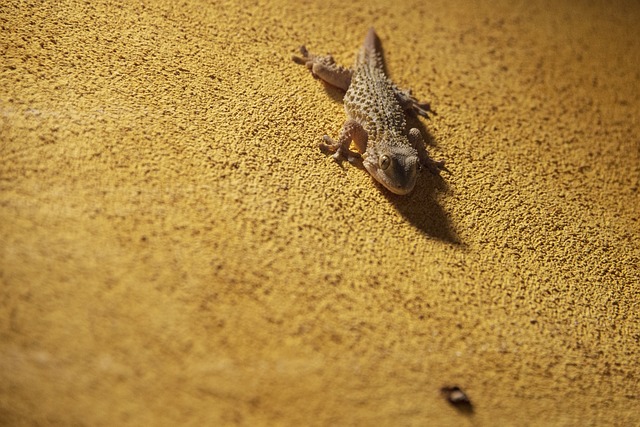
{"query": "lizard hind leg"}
[(351, 131), (411, 103), (325, 68)]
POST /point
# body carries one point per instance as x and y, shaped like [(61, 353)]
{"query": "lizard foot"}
[(411, 103), (328, 145), (435, 166)]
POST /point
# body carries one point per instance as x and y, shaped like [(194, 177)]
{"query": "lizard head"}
[(395, 167)]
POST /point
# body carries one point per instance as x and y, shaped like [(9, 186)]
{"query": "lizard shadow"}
[(422, 209)]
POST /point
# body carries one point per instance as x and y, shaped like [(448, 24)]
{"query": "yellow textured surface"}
[(175, 249)]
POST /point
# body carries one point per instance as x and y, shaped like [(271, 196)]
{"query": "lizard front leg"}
[(325, 68), (415, 138), (351, 131)]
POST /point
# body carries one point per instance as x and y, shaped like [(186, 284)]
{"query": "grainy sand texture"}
[(176, 250)]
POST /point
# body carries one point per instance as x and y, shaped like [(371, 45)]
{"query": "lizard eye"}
[(385, 161)]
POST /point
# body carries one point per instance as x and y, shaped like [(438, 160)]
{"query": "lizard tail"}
[(371, 52)]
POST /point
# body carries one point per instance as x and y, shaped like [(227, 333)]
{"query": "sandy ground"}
[(175, 250)]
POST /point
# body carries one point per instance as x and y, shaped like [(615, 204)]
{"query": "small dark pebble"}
[(457, 398)]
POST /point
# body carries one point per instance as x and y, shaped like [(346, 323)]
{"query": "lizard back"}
[(371, 99)]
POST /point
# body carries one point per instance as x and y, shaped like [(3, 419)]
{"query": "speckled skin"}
[(371, 97), (376, 121)]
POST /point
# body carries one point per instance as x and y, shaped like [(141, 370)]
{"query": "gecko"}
[(376, 120)]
